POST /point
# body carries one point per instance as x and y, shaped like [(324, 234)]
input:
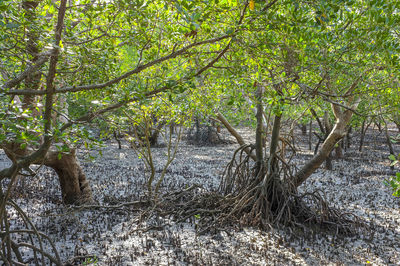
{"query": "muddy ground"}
[(113, 236)]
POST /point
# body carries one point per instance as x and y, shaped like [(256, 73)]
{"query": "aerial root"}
[(314, 211), (246, 197), (250, 197), (309, 210)]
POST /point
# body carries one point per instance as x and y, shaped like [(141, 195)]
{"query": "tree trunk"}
[(156, 132), (338, 150), (172, 128), (275, 139), (320, 157), (326, 128), (310, 137), (328, 162), (197, 123), (75, 188), (74, 185), (389, 142), (272, 188), (321, 127), (259, 134), (234, 133), (379, 125), (265, 119), (303, 129), (337, 133), (343, 143), (116, 137), (363, 132), (348, 138)]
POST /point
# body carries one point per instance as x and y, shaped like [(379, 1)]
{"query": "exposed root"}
[(268, 197), (314, 212), (247, 196), (263, 199), (12, 250), (257, 195)]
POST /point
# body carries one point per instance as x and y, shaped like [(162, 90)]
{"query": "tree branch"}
[(234, 133), (136, 70), (14, 82), (213, 61), (41, 152)]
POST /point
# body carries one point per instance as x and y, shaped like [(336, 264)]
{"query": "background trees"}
[(66, 64), (97, 47), (108, 55)]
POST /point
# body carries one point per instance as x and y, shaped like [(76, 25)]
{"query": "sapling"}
[(394, 181)]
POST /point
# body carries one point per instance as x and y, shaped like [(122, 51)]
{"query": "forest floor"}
[(113, 236)]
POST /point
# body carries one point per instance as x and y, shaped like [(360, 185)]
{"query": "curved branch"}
[(14, 82), (136, 70), (40, 153), (234, 133), (336, 134), (90, 116)]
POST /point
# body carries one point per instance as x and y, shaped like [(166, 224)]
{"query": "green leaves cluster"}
[(302, 52), (394, 182), (19, 126)]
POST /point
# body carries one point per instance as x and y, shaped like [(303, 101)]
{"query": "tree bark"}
[(337, 133), (328, 162), (379, 125), (310, 137), (116, 135), (74, 185), (303, 128), (259, 134), (363, 131), (348, 137), (338, 150), (326, 128), (75, 188), (234, 133), (172, 127), (255, 110), (389, 142), (156, 132), (275, 139), (321, 127)]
